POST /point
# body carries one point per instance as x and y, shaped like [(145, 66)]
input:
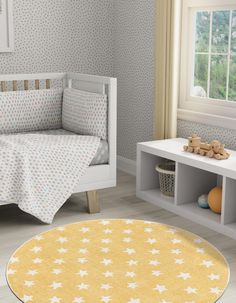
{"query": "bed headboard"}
[(90, 83)]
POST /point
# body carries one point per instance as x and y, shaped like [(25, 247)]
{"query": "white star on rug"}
[(105, 299), (82, 273), (132, 285), (156, 273), (160, 288), (154, 262), (213, 277), (56, 285), (130, 274), (106, 262), (83, 251), (176, 241), (29, 283), (206, 263), (200, 250), (107, 231), (32, 272), (105, 249), (56, 271), (55, 300), (191, 290), (148, 229), (151, 241), (62, 250), (62, 240), (130, 251), (78, 300), (171, 231), (132, 262), (36, 249), (27, 298), (108, 274), (11, 271), (184, 275), (14, 260), (176, 251), (127, 240), (104, 222), (37, 261), (132, 300), (59, 261), (39, 238), (127, 231), (106, 286), (83, 286), (215, 290), (85, 240), (154, 251), (198, 240), (85, 229), (179, 261), (106, 241), (82, 260)]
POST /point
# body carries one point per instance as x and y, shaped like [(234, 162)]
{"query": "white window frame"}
[(197, 109)]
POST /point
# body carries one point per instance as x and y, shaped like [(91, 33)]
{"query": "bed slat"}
[(48, 84), (36, 84), (3, 86), (14, 84), (26, 85)]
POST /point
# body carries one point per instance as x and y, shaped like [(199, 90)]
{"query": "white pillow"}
[(84, 113), (32, 110)]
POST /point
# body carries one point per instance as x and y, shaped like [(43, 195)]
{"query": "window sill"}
[(214, 120)]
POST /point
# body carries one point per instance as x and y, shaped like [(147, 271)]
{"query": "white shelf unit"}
[(195, 175)]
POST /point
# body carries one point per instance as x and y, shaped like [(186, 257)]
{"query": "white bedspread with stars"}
[(39, 172)]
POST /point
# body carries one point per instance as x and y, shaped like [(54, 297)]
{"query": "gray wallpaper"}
[(61, 35), (134, 66)]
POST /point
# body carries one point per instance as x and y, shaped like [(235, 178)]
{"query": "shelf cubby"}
[(195, 175)]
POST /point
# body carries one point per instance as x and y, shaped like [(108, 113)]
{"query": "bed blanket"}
[(39, 172)]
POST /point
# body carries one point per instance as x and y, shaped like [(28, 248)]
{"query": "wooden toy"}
[(215, 149), (215, 199), (203, 201)]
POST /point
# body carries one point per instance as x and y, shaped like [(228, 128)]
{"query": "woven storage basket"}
[(166, 172)]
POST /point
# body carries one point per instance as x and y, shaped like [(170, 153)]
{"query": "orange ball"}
[(215, 199)]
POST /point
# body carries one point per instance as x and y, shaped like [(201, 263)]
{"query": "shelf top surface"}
[(173, 149)]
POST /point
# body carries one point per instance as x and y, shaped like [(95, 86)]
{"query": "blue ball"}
[(203, 201)]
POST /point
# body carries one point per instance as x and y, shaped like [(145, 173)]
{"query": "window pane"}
[(233, 36), (220, 31), (202, 31), (232, 79), (218, 77), (200, 75)]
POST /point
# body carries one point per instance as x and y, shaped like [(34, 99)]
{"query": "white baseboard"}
[(126, 165)]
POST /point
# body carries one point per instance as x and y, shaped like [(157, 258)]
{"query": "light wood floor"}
[(16, 227)]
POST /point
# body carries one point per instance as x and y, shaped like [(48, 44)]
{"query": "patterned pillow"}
[(84, 113), (23, 111)]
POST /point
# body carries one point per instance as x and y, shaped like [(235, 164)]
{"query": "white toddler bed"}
[(102, 171)]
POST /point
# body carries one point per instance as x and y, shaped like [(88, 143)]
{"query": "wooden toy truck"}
[(212, 150)]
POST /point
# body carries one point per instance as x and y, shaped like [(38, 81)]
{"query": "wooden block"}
[(93, 202), (36, 84), (14, 84), (26, 85), (48, 84), (3, 86)]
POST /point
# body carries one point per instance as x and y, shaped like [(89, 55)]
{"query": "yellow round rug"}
[(117, 261)]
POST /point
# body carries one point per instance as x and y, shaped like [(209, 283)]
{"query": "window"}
[(208, 60)]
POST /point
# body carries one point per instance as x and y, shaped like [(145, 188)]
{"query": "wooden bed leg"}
[(93, 202)]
